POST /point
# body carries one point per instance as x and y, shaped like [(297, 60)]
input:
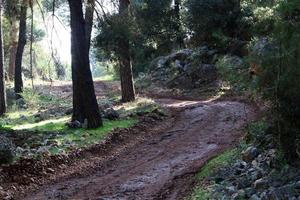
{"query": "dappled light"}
[(149, 99)]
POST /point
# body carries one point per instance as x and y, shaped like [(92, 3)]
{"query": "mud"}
[(162, 165)]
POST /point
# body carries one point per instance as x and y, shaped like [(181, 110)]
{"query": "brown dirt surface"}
[(160, 162)]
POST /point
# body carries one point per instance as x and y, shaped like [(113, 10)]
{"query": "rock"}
[(181, 55), (185, 68), (254, 197), (250, 154), (21, 103), (69, 111), (74, 124), (111, 114), (261, 184), (249, 192), (231, 190), (50, 170), (10, 96), (7, 150), (43, 150), (239, 195)]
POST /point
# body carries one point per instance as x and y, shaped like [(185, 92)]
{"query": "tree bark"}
[(2, 83), (127, 86), (31, 43), (13, 47), (89, 17), (85, 107), (20, 50), (178, 28)]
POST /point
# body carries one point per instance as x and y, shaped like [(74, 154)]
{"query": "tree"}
[(178, 24), (218, 19), (128, 92), (12, 11), (85, 107), (2, 84), (20, 49), (89, 16)]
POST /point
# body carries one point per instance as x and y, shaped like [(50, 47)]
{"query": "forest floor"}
[(155, 159)]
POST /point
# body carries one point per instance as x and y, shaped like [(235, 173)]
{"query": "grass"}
[(16, 118), (82, 137), (54, 136), (140, 105), (202, 191), (107, 77), (51, 134), (218, 162)]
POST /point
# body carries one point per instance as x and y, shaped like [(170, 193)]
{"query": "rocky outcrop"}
[(258, 176), (185, 69)]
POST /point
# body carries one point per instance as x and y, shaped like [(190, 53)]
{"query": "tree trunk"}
[(89, 17), (13, 47), (178, 26), (2, 83), (31, 43), (127, 86), (85, 107), (20, 50)]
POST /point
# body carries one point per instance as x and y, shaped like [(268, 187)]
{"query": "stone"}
[(261, 184), (74, 124), (254, 197), (250, 154), (184, 69), (111, 114), (7, 150), (231, 190), (249, 192), (21, 103)]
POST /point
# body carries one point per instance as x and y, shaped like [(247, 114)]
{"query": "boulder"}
[(185, 69), (180, 55), (111, 114), (261, 184), (7, 150), (74, 124), (250, 154)]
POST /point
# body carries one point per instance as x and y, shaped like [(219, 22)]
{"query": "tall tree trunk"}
[(13, 47), (89, 17), (178, 28), (20, 50), (85, 107), (31, 43), (2, 83), (127, 86)]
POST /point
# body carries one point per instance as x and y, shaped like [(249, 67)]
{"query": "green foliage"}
[(275, 61), (36, 100), (280, 72), (206, 17), (235, 71), (257, 132), (200, 193), (216, 163), (151, 30)]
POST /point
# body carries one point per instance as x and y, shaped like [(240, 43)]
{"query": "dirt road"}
[(160, 167)]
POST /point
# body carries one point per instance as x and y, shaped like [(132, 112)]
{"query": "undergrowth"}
[(202, 190)]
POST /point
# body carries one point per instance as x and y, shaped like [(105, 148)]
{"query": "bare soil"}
[(160, 162)]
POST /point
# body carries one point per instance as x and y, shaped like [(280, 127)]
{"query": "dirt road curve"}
[(161, 167)]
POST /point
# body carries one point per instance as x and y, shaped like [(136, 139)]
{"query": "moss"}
[(202, 191), (83, 137), (200, 194)]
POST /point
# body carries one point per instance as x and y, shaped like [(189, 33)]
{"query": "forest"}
[(150, 99)]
